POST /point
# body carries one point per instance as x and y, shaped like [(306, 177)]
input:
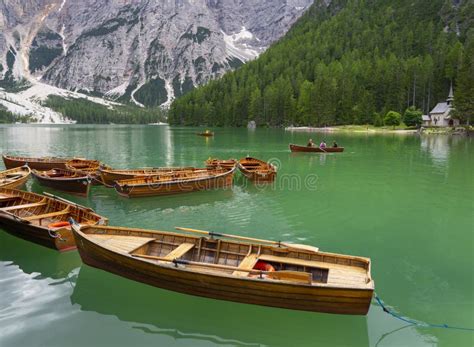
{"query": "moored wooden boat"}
[(212, 163), (257, 170), (87, 167), (14, 178), (64, 180), (225, 267), (109, 176), (298, 148), (38, 163), (43, 219), (176, 182)]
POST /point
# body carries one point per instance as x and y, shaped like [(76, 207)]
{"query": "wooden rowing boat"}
[(39, 163), (43, 218), (83, 166), (213, 163), (297, 148), (87, 167), (176, 182), (257, 170), (14, 178), (206, 133), (226, 268), (109, 176), (64, 180)]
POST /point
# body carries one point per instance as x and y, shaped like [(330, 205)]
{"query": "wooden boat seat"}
[(122, 244), (247, 264), (179, 251), (295, 261), (19, 207), (47, 215)]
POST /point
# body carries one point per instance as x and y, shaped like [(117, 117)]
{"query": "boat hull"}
[(33, 217), (176, 187), (25, 175), (78, 186), (108, 177), (12, 162), (243, 290), (265, 173), (297, 148), (60, 239)]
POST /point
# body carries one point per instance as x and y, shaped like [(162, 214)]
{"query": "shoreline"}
[(353, 129)]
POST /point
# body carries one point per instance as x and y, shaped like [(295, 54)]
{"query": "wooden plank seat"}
[(123, 244), (246, 264), (47, 215), (179, 251), (19, 207)]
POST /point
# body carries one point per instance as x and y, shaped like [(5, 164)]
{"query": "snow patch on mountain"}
[(237, 46)]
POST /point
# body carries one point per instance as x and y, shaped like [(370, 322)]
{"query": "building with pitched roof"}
[(441, 114)]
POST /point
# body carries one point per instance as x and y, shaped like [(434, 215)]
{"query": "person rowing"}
[(322, 144)]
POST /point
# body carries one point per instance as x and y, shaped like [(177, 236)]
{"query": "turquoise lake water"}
[(405, 201)]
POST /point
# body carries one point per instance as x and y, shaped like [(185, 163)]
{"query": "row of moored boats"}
[(76, 175), (214, 265)]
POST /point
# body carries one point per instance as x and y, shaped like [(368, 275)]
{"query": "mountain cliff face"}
[(140, 50)]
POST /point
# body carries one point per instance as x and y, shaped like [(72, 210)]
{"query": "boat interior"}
[(240, 259), (40, 210), (173, 176), (59, 174), (12, 175)]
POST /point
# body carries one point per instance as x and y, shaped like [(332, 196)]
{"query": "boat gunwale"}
[(36, 174), (123, 183), (83, 233)]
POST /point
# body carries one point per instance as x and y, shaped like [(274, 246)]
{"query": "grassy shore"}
[(401, 129)]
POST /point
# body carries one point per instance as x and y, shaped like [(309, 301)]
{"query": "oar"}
[(288, 245)]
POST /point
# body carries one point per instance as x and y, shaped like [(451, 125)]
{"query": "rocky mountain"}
[(145, 51)]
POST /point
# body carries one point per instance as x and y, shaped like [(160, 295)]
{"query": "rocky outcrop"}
[(140, 50)]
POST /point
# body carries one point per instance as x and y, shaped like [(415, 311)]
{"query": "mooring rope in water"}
[(414, 322)]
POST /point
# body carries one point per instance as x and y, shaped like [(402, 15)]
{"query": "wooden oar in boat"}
[(212, 234)]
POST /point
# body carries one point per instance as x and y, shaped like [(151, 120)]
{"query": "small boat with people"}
[(43, 218), (37, 163), (64, 180), (257, 170), (108, 176), (14, 178), (315, 149), (232, 268), (176, 182), (206, 133)]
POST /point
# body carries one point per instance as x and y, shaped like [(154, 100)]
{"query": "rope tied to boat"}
[(55, 235), (415, 322)]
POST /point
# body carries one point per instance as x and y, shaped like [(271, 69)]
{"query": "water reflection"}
[(32, 259), (156, 311), (437, 146)]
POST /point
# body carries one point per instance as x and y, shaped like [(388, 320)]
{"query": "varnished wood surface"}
[(65, 180), (30, 216), (41, 163), (220, 277), (257, 170), (109, 176), (176, 182), (14, 178)]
